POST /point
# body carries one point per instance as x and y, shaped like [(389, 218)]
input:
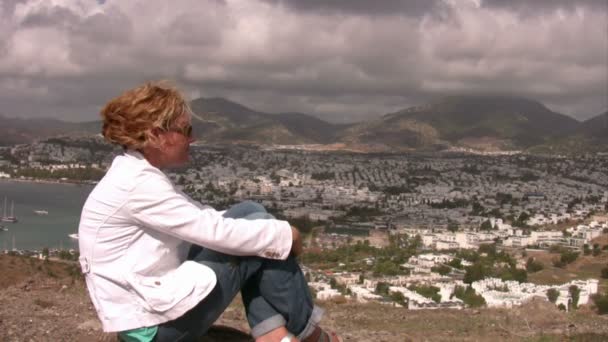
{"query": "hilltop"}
[(47, 301)]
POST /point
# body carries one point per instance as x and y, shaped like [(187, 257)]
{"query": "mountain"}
[(484, 122), (221, 120), (21, 131), (596, 127), (481, 122)]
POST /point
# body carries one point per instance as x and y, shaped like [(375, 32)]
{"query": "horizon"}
[(371, 117)]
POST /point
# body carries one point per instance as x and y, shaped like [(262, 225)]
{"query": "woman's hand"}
[(296, 246)]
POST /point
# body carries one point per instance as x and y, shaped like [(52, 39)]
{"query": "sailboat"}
[(12, 217)]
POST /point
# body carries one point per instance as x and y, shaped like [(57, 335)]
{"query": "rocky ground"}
[(47, 301)]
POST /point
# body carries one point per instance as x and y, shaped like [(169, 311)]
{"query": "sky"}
[(341, 60)]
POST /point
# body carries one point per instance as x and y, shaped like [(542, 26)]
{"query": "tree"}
[(605, 272), (486, 225), (399, 298), (456, 263), (441, 269), (453, 226), (601, 303), (475, 272), (552, 295), (522, 219), (586, 249), (489, 249), (45, 253), (575, 294), (469, 296), (427, 291), (533, 266), (387, 267), (382, 288)]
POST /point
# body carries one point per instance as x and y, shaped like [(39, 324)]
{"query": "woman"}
[(137, 229)]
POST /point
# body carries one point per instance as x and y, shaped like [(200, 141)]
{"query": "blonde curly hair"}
[(128, 120)]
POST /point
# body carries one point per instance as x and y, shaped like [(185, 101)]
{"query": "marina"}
[(9, 218), (46, 215)]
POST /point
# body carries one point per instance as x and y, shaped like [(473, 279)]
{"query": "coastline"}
[(48, 181)]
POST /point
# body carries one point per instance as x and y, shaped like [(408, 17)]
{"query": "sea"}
[(33, 231)]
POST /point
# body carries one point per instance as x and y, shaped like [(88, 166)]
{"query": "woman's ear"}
[(155, 138)]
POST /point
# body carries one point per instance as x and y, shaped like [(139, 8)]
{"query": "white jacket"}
[(134, 235)]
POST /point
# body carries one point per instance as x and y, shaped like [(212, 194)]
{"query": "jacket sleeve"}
[(156, 204)]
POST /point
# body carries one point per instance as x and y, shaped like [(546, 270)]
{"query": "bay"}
[(34, 232)]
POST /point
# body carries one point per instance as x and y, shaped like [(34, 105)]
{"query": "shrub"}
[(469, 296), (441, 269), (533, 266), (552, 295), (601, 303), (430, 292), (605, 272), (575, 294)]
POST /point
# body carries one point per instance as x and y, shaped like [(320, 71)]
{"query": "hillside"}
[(222, 121), (22, 131), (590, 135), (482, 122), (47, 301)]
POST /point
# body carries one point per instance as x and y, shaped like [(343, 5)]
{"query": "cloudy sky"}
[(338, 59)]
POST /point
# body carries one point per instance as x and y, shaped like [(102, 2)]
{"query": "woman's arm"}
[(155, 203)]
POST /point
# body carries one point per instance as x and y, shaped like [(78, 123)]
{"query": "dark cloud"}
[(336, 59), (535, 6), (362, 7)]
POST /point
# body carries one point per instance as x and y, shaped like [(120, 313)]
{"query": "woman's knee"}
[(253, 207), (244, 209)]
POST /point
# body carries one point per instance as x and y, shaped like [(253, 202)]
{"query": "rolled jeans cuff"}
[(268, 325), (313, 322), (278, 321)]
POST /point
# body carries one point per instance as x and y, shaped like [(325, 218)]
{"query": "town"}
[(421, 230)]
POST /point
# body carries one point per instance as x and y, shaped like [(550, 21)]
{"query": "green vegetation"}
[(487, 262), (382, 288), (601, 303), (469, 296), (552, 295), (427, 291), (320, 176), (566, 257), (355, 257), (486, 225), (533, 266), (399, 298), (441, 269), (575, 294), (605, 272), (451, 204)]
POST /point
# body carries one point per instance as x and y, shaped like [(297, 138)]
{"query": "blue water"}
[(62, 201)]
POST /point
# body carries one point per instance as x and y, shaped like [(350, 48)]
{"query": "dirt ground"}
[(48, 302)]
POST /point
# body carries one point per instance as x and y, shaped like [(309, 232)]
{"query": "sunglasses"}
[(185, 131)]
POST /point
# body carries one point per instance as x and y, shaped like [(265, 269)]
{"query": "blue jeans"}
[(274, 292)]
